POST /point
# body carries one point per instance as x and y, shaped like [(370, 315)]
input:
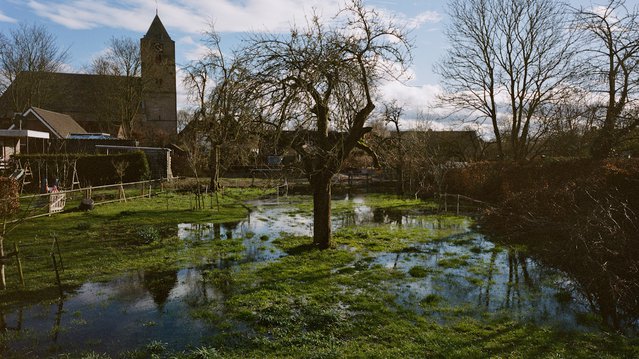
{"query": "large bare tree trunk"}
[(322, 236)]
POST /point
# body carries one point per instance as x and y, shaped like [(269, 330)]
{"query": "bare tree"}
[(612, 34), (320, 81), (122, 58), (123, 89), (27, 52), (507, 58), (395, 148), (222, 113)]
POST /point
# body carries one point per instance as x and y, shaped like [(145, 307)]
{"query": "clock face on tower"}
[(158, 46)]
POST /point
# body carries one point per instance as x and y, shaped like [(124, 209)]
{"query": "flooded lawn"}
[(436, 267)]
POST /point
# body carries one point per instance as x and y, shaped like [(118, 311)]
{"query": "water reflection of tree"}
[(200, 291), (488, 281), (231, 228), (387, 216), (518, 276), (159, 284)]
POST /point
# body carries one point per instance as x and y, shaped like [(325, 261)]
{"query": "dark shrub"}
[(9, 192)]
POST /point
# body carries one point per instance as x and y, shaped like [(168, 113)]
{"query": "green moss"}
[(418, 272), (453, 262), (432, 299)]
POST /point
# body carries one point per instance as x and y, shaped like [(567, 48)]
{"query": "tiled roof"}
[(61, 124), (77, 94)]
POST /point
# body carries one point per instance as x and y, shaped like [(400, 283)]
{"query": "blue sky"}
[(85, 27)]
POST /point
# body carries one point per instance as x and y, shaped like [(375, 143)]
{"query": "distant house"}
[(43, 131), (34, 131)]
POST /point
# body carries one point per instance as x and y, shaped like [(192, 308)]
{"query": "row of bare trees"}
[(523, 65)]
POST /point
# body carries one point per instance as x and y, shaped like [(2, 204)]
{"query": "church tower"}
[(157, 52)]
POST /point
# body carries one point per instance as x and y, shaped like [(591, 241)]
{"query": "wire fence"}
[(47, 204), (459, 204)]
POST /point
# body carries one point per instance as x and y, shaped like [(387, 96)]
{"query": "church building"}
[(143, 108)]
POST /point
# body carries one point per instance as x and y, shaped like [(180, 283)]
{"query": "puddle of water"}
[(463, 273), (121, 314), (460, 281)]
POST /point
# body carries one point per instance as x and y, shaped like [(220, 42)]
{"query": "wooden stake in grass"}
[(445, 202), (19, 263)]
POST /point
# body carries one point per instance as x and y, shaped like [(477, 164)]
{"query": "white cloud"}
[(182, 92), (413, 98), (197, 51), (5, 18), (423, 18), (191, 16), (89, 14), (600, 10)]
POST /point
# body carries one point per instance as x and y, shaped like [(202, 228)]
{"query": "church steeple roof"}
[(157, 30)]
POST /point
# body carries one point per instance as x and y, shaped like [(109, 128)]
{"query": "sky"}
[(84, 27)]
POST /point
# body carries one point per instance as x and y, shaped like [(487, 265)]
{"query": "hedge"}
[(93, 169)]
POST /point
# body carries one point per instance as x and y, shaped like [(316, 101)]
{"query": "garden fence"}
[(46, 204)]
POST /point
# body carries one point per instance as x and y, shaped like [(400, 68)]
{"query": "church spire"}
[(157, 30)]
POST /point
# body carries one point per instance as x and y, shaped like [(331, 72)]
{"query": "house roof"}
[(59, 124), (65, 92)]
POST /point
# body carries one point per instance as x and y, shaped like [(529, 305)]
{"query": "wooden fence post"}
[(19, 263), (445, 202), (458, 205)]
